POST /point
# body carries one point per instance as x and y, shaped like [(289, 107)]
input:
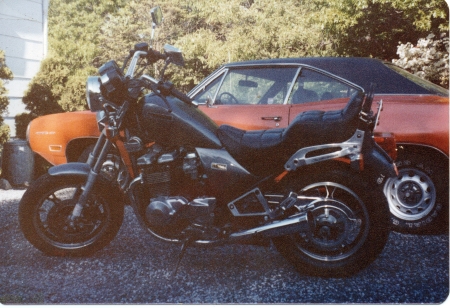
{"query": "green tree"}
[(72, 56), (211, 33), (84, 34), (5, 74), (373, 28)]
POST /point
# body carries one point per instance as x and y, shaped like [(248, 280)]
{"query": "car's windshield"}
[(433, 88)]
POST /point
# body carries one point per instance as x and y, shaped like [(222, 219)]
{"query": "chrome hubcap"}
[(411, 195)]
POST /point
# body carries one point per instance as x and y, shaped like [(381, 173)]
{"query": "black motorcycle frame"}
[(192, 182)]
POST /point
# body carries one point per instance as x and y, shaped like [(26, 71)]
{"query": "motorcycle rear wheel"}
[(46, 206), (350, 228)]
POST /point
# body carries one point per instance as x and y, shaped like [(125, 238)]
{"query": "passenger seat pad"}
[(256, 149)]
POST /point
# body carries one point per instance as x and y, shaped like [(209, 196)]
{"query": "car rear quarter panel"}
[(49, 135), (416, 119)]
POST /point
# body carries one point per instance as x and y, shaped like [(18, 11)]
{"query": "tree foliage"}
[(375, 27), (211, 33), (72, 55), (429, 59), (83, 34), (5, 74)]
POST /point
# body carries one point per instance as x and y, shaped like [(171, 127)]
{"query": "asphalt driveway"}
[(135, 268)]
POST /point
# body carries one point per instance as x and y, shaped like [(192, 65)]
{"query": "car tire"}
[(418, 197)]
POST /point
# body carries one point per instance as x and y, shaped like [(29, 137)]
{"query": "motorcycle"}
[(313, 189)]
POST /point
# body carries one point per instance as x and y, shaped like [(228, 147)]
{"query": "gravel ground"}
[(135, 268)]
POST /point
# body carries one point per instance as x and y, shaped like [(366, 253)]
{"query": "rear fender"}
[(378, 165)]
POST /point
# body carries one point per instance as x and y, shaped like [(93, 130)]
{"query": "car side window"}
[(312, 86), (208, 91), (251, 86)]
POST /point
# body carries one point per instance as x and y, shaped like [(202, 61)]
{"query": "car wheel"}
[(418, 197)]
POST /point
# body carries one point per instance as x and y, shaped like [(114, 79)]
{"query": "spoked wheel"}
[(350, 227), (46, 206)]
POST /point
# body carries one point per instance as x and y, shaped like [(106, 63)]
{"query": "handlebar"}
[(154, 56), (167, 88), (181, 96), (369, 99)]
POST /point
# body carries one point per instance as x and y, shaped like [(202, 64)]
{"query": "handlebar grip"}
[(154, 55), (181, 96), (167, 88)]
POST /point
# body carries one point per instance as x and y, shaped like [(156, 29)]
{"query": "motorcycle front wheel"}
[(45, 208), (349, 230)]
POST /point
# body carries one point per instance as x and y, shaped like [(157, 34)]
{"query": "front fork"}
[(95, 162)]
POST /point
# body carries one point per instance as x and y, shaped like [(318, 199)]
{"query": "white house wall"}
[(23, 37)]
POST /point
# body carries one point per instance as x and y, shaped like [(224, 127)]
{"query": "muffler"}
[(301, 223)]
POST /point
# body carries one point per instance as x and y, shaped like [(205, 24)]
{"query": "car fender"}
[(50, 135)]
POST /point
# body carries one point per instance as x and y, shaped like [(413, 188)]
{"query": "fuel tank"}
[(180, 125)]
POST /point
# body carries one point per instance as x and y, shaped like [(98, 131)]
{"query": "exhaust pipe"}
[(302, 223)]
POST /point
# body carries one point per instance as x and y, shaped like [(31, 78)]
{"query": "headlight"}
[(113, 83), (93, 93)]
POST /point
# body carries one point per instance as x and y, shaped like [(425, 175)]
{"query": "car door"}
[(250, 98), (316, 90)]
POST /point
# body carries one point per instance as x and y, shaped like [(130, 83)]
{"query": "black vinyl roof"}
[(361, 71)]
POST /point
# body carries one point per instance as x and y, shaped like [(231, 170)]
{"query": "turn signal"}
[(387, 142)]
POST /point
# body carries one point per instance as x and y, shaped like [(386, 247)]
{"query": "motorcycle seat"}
[(259, 150)]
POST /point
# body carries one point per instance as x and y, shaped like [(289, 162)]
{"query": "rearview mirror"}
[(248, 84), (157, 17), (175, 55)]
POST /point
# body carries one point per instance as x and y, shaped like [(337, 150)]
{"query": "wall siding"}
[(23, 37)]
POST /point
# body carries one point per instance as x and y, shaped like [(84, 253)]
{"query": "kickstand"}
[(184, 245)]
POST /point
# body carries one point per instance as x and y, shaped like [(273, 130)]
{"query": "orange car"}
[(270, 93)]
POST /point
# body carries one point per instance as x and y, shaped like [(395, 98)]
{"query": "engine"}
[(165, 173), (170, 180)]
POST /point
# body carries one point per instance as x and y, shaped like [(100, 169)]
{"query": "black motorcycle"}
[(314, 189)]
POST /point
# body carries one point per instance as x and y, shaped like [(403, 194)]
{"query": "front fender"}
[(80, 169)]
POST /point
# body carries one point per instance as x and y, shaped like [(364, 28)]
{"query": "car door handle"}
[(276, 119)]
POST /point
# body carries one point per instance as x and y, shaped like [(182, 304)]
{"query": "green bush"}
[(84, 34), (72, 53), (427, 59), (4, 135), (5, 74), (22, 120)]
